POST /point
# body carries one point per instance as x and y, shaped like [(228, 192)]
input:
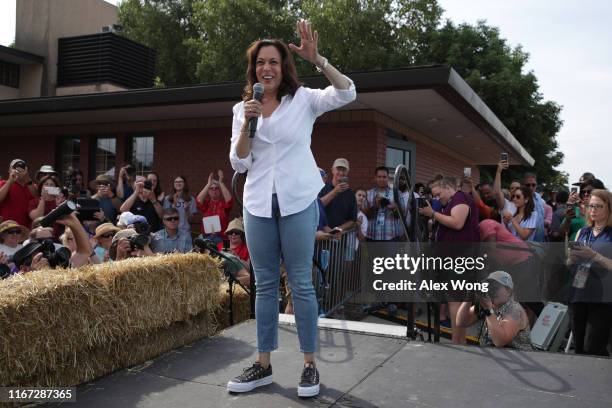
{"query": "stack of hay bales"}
[(65, 327)]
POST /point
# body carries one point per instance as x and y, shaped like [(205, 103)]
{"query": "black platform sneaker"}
[(309, 383), (251, 378)]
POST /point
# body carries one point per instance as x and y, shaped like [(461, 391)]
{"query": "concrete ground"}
[(358, 369)]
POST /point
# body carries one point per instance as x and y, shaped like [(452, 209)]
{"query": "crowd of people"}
[(114, 219), (135, 217)]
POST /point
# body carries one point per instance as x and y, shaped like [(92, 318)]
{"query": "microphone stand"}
[(232, 282)]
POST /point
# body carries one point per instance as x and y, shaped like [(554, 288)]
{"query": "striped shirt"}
[(385, 224)]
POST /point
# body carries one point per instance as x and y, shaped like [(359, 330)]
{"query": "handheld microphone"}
[(258, 91)]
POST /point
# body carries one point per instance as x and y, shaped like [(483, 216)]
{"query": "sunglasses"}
[(171, 219), (516, 196), (586, 192), (107, 235), (233, 233), (531, 185), (13, 232)]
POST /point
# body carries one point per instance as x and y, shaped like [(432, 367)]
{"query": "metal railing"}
[(337, 272)]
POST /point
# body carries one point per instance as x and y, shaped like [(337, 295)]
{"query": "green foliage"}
[(496, 72), (228, 27), (167, 27), (205, 41)]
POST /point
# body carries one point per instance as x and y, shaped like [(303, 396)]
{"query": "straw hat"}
[(106, 228), (10, 224), (235, 225), (101, 179)]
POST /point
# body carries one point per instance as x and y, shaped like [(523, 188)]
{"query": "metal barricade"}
[(336, 271)]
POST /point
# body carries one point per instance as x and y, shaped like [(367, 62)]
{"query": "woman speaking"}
[(280, 208)]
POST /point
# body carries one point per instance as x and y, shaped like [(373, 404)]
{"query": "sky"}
[(569, 46)]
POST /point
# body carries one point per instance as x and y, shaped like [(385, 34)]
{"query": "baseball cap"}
[(341, 162), (584, 178), (16, 161), (127, 218), (502, 278)]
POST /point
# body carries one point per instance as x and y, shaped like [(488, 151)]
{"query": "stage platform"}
[(358, 369)]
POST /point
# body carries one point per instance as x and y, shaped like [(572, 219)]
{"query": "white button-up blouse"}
[(281, 160)]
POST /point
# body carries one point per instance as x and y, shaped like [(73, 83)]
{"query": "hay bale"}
[(82, 322), (241, 303)]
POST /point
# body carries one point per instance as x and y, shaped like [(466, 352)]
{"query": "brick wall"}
[(35, 150), (195, 147)]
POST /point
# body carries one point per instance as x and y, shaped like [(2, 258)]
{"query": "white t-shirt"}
[(8, 251), (508, 206), (364, 226), (531, 222)]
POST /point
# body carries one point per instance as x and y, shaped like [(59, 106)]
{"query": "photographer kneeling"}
[(506, 323), (128, 243)]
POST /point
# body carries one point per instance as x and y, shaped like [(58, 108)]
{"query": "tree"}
[(201, 41), (228, 27), (167, 27), (496, 72), (205, 41)]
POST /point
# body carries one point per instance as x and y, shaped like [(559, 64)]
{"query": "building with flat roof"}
[(427, 118)]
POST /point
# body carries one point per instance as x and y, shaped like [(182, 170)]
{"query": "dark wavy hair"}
[(42, 182), (529, 204), (290, 82)]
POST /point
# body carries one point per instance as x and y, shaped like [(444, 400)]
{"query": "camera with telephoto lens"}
[(55, 258), (148, 185), (62, 211), (138, 241), (384, 201), (59, 257), (143, 237)]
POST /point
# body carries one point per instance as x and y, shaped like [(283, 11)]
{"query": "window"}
[(399, 151), (9, 74), (105, 156), (69, 155), (142, 154), (396, 157)]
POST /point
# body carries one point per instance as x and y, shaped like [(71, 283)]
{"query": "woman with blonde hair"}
[(591, 290)]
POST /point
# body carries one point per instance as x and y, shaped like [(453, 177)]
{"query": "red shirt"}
[(216, 207), (49, 206), (15, 205), (242, 252)]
